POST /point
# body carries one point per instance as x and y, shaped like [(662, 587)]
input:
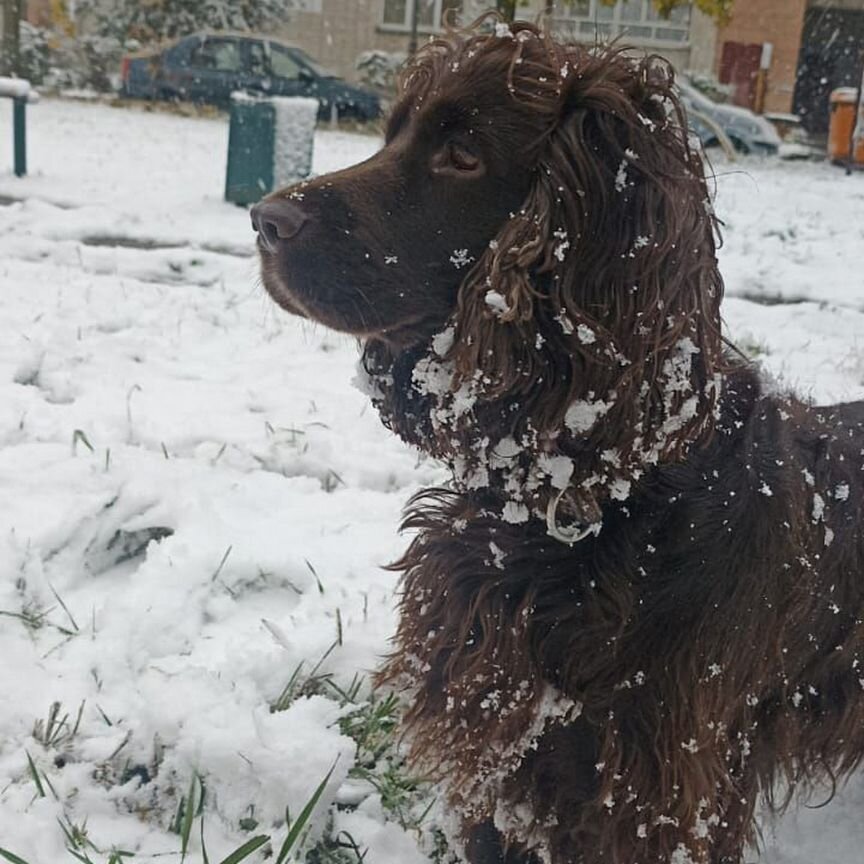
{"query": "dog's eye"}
[(461, 157)]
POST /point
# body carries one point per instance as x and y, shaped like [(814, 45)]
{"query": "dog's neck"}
[(564, 475)]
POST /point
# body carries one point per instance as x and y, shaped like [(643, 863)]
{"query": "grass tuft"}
[(55, 731)]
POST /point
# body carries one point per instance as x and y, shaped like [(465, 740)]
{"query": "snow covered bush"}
[(167, 19), (378, 69), (35, 52)]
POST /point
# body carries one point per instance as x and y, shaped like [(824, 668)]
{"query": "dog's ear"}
[(605, 285)]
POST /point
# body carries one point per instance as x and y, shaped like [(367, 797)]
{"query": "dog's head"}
[(530, 257), (379, 250)]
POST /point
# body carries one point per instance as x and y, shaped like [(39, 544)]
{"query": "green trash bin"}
[(269, 145), (249, 175)]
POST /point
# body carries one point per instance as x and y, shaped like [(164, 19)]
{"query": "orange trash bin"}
[(844, 105)]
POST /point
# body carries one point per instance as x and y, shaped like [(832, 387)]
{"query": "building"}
[(336, 32), (775, 56), (788, 55)]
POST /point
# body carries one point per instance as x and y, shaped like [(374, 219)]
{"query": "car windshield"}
[(306, 60)]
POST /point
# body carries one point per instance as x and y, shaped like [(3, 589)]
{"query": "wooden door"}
[(739, 66)]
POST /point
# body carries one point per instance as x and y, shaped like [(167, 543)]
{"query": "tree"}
[(719, 10), (9, 56), (155, 20)]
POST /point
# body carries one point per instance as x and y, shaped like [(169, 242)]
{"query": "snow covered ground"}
[(196, 503)]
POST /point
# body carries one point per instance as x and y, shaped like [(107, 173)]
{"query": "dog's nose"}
[(275, 220)]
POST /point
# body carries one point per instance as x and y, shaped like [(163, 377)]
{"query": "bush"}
[(35, 53)]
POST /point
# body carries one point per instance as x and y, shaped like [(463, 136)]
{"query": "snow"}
[(15, 88), (295, 126), (231, 518)]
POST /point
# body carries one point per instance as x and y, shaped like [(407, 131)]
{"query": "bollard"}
[(19, 134)]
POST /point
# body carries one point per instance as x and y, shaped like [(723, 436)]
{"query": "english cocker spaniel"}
[(640, 603)]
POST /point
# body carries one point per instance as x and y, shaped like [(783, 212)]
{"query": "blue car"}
[(208, 68)]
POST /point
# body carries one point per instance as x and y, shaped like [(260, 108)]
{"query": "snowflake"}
[(460, 258)]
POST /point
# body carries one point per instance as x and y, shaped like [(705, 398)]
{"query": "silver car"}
[(748, 132)]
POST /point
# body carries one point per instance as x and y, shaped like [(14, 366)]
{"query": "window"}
[(282, 63), (256, 58), (222, 55), (430, 13), (636, 20)]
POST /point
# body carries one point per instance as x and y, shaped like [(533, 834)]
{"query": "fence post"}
[(19, 134)]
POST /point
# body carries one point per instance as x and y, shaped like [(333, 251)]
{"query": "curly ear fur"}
[(610, 263), (589, 331)]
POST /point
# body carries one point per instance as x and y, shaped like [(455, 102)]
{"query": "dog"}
[(639, 606)]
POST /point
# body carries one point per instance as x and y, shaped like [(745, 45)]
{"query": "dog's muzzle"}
[(277, 220)]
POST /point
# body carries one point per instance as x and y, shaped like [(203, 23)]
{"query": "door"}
[(739, 66), (216, 67), (830, 57), (256, 76), (290, 78)]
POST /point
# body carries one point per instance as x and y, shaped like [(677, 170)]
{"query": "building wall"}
[(779, 22), (338, 31), (703, 43), (337, 34)]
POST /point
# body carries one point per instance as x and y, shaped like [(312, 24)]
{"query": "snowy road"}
[(150, 392)]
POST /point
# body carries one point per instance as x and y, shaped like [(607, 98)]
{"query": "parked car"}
[(748, 132), (210, 67)]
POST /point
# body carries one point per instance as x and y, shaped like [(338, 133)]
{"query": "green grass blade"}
[(189, 809), (50, 785), (79, 435), (204, 855), (300, 823), (35, 775), (12, 857), (65, 608), (246, 849)]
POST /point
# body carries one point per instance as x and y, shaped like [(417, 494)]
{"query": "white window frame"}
[(581, 26), (405, 26)]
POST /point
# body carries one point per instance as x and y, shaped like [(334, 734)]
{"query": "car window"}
[(256, 58), (282, 63), (314, 65), (222, 55)]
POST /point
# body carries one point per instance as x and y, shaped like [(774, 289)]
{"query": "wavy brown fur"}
[(632, 269), (626, 698)]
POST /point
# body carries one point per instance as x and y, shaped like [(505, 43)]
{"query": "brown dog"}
[(640, 603)]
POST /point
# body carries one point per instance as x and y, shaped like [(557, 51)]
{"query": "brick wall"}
[(779, 22)]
